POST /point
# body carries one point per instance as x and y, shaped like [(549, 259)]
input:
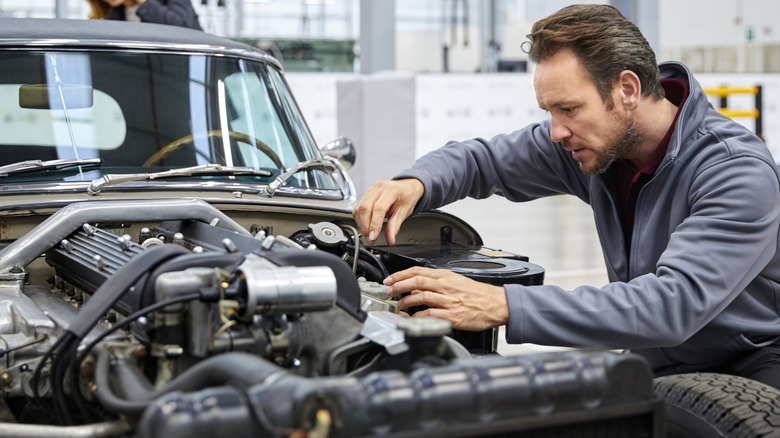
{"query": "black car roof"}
[(113, 34)]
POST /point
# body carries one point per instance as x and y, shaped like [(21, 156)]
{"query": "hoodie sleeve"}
[(521, 166), (711, 283)]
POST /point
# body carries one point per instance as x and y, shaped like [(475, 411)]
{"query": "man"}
[(686, 204)]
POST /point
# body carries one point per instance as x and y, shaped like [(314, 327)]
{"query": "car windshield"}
[(145, 112)]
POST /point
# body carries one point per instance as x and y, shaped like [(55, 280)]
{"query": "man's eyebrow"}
[(562, 103)]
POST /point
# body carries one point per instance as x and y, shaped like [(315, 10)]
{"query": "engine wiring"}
[(65, 349), (134, 317), (38, 340), (227, 311), (76, 364), (356, 239), (368, 261)]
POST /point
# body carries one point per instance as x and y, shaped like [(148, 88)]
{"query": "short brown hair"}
[(605, 42)]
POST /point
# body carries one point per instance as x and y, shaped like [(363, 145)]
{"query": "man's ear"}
[(630, 89)]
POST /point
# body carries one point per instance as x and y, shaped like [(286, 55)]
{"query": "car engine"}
[(170, 319)]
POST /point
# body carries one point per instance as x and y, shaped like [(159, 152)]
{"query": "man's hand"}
[(466, 303), (394, 200)]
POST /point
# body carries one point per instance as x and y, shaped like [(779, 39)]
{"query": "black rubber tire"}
[(703, 405)]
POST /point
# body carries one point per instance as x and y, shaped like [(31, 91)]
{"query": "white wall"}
[(316, 95), (717, 23), (460, 106)]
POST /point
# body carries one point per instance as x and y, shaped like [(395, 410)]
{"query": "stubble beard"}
[(627, 138)]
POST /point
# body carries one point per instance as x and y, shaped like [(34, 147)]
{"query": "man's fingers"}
[(396, 218), (370, 213), (394, 200), (392, 228), (424, 298), (364, 209), (466, 303), (382, 205), (416, 278)]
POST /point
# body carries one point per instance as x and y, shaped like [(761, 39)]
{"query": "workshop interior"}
[(177, 251)]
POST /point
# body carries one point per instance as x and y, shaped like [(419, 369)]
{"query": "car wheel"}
[(718, 405)]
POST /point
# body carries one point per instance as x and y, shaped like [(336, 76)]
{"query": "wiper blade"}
[(206, 169), (36, 165), (337, 171)]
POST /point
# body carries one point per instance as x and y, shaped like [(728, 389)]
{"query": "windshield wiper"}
[(206, 169), (37, 165), (326, 163)]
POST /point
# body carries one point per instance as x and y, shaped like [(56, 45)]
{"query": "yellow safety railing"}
[(755, 113), (724, 91)]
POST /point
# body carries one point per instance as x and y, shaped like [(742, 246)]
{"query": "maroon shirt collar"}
[(629, 183), (676, 92)]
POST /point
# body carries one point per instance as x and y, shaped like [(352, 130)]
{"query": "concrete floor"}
[(556, 233)]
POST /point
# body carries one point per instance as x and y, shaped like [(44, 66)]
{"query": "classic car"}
[(178, 258)]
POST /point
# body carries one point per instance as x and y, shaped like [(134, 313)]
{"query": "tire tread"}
[(730, 406)]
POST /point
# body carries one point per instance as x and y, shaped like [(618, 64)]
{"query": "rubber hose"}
[(237, 368), (370, 270)]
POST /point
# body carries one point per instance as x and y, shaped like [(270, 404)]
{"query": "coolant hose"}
[(372, 272), (234, 368)]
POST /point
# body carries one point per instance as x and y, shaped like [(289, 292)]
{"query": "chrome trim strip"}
[(133, 46)]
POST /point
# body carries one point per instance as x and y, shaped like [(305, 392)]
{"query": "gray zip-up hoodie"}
[(701, 283)]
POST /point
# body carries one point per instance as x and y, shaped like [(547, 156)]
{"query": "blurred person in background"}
[(173, 12)]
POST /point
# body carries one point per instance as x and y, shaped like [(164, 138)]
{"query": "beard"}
[(624, 139)]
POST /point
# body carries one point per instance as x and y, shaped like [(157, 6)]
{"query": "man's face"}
[(595, 132)]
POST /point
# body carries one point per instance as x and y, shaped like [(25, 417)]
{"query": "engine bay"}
[(174, 321)]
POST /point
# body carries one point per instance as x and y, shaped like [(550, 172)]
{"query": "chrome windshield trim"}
[(335, 194)]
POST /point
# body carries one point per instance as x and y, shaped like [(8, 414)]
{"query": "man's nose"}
[(558, 131)]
